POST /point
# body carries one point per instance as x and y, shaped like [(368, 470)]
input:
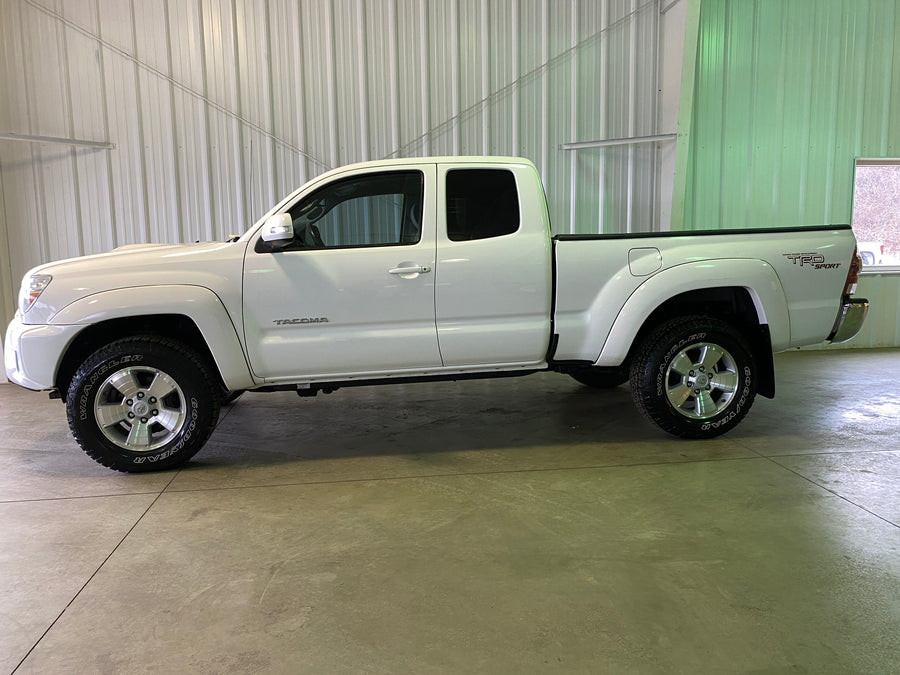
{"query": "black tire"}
[(232, 396), (671, 382), (144, 403), (601, 378)]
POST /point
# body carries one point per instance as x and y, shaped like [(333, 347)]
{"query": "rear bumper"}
[(849, 320)]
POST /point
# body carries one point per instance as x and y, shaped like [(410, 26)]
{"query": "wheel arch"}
[(95, 336), (191, 315), (737, 305)]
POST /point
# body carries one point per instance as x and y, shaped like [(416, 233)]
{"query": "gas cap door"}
[(643, 262)]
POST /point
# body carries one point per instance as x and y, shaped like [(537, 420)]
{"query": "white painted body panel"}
[(483, 306), (601, 304), (200, 281), (493, 296)]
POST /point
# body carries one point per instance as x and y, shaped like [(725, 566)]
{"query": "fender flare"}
[(197, 303), (756, 276)]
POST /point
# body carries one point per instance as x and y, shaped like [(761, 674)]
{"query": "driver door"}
[(353, 292)]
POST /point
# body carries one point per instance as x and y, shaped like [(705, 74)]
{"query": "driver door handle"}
[(418, 269)]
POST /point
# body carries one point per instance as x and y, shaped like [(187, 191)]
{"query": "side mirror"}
[(278, 228)]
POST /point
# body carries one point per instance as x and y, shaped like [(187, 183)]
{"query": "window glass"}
[(382, 209), (481, 203), (876, 211)]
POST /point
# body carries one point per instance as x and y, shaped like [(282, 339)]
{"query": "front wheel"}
[(142, 404), (694, 377)]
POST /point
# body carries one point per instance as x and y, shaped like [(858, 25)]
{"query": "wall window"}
[(481, 203), (876, 211), (380, 209)]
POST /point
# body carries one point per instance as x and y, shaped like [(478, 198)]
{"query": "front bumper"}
[(849, 320), (32, 353)]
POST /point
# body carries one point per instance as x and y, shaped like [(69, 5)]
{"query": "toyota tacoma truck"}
[(417, 270)]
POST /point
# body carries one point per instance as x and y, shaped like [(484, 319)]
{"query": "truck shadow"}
[(546, 411)]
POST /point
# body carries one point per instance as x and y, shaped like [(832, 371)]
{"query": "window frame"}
[(447, 200), (892, 267), (262, 247)]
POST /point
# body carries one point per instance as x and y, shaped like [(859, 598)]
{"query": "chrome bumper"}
[(849, 320)]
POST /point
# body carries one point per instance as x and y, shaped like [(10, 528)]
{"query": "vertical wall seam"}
[(144, 225), (66, 72), (455, 106), (361, 45), (35, 151), (516, 69), (104, 105), (394, 76), (573, 113), (485, 78), (211, 200), (425, 68), (177, 226), (331, 80), (545, 92), (243, 196), (270, 92), (632, 112)]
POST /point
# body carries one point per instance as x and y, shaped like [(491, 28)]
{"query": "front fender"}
[(199, 304), (756, 276)]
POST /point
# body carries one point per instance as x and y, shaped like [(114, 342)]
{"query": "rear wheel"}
[(142, 404), (694, 377)]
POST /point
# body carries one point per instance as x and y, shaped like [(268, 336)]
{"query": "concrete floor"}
[(505, 526)]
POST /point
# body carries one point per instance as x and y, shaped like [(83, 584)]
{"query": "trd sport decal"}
[(814, 260)]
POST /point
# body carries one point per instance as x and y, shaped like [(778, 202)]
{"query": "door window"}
[(380, 209)]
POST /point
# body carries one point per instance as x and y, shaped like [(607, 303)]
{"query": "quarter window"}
[(481, 203)]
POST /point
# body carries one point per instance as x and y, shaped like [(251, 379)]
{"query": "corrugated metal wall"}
[(786, 95), (216, 108)]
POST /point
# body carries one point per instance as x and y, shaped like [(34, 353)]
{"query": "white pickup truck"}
[(416, 270)]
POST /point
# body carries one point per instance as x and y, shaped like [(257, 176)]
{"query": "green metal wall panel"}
[(787, 93)]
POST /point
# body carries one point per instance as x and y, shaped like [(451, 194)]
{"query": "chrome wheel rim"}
[(140, 409), (702, 380)]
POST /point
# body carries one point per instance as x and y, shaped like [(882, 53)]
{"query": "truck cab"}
[(407, 267)]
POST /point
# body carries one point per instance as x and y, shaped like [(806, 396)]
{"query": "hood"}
[(213, 265), (128, 256)]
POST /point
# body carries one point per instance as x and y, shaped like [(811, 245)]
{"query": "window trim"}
[(446, 206), (869, 270), (261, 246)]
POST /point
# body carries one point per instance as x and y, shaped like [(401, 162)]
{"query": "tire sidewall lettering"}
[(736, 408), (667, 359), (186, 435), (84, 401)]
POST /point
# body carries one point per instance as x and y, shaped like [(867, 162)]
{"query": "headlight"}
[(31, 290)]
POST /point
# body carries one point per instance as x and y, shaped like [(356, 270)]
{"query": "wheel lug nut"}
[(696, 391), (129, 402), (140, 394), (152, 399), (144, 420), (154, 413), (131, 415), (692, 373)]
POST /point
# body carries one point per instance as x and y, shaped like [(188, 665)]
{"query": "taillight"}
[(853, 273)]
